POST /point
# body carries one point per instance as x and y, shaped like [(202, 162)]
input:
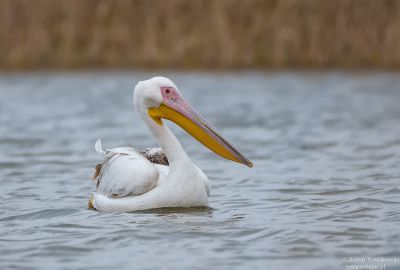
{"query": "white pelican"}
[(129, 180)]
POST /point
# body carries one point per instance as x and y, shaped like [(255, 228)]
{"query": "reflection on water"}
[(325, 184)]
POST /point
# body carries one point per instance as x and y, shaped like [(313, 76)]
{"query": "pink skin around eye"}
[(169, 93), (174, 100)]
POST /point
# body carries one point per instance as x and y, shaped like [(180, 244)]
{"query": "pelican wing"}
[(124, 172)]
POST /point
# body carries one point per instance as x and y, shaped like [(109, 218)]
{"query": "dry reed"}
[(199, 34)]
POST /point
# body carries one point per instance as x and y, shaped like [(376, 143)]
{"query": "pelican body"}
[(131, 180)]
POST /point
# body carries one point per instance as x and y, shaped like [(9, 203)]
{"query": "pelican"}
[(130, 180)]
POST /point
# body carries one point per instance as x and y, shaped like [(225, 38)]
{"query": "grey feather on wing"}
[(97, 171), (155, 155)]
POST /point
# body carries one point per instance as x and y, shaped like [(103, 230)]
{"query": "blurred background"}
[(179, 34), (308, 90)]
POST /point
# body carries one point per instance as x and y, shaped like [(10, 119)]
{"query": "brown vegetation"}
[(199, 33)]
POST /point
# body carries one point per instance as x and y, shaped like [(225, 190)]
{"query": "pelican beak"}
[(177, 110)]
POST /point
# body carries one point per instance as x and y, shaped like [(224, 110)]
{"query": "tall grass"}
[(199, 34)]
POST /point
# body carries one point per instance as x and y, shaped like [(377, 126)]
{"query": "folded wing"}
[(124, 172), (128, 172)]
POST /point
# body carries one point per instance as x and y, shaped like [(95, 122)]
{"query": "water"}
[(325, 185)]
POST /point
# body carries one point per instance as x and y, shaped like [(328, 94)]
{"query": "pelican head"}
[(160, 98)]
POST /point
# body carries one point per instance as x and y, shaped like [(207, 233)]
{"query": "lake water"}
[(324, 192)]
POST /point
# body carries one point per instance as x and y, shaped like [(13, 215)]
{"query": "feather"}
[(97, 171), (155, 155), (98, 147)]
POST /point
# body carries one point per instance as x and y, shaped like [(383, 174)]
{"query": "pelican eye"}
[(167, 91)]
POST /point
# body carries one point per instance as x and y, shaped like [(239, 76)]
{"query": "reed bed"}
[(203, 34)]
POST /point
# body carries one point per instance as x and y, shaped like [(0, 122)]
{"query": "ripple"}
[(41, 214)]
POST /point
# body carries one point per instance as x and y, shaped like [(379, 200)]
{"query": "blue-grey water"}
[(324, 190)]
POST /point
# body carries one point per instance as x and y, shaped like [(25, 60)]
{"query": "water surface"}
[(324, 187)]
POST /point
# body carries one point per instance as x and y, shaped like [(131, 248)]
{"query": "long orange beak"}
[(175, 109)]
